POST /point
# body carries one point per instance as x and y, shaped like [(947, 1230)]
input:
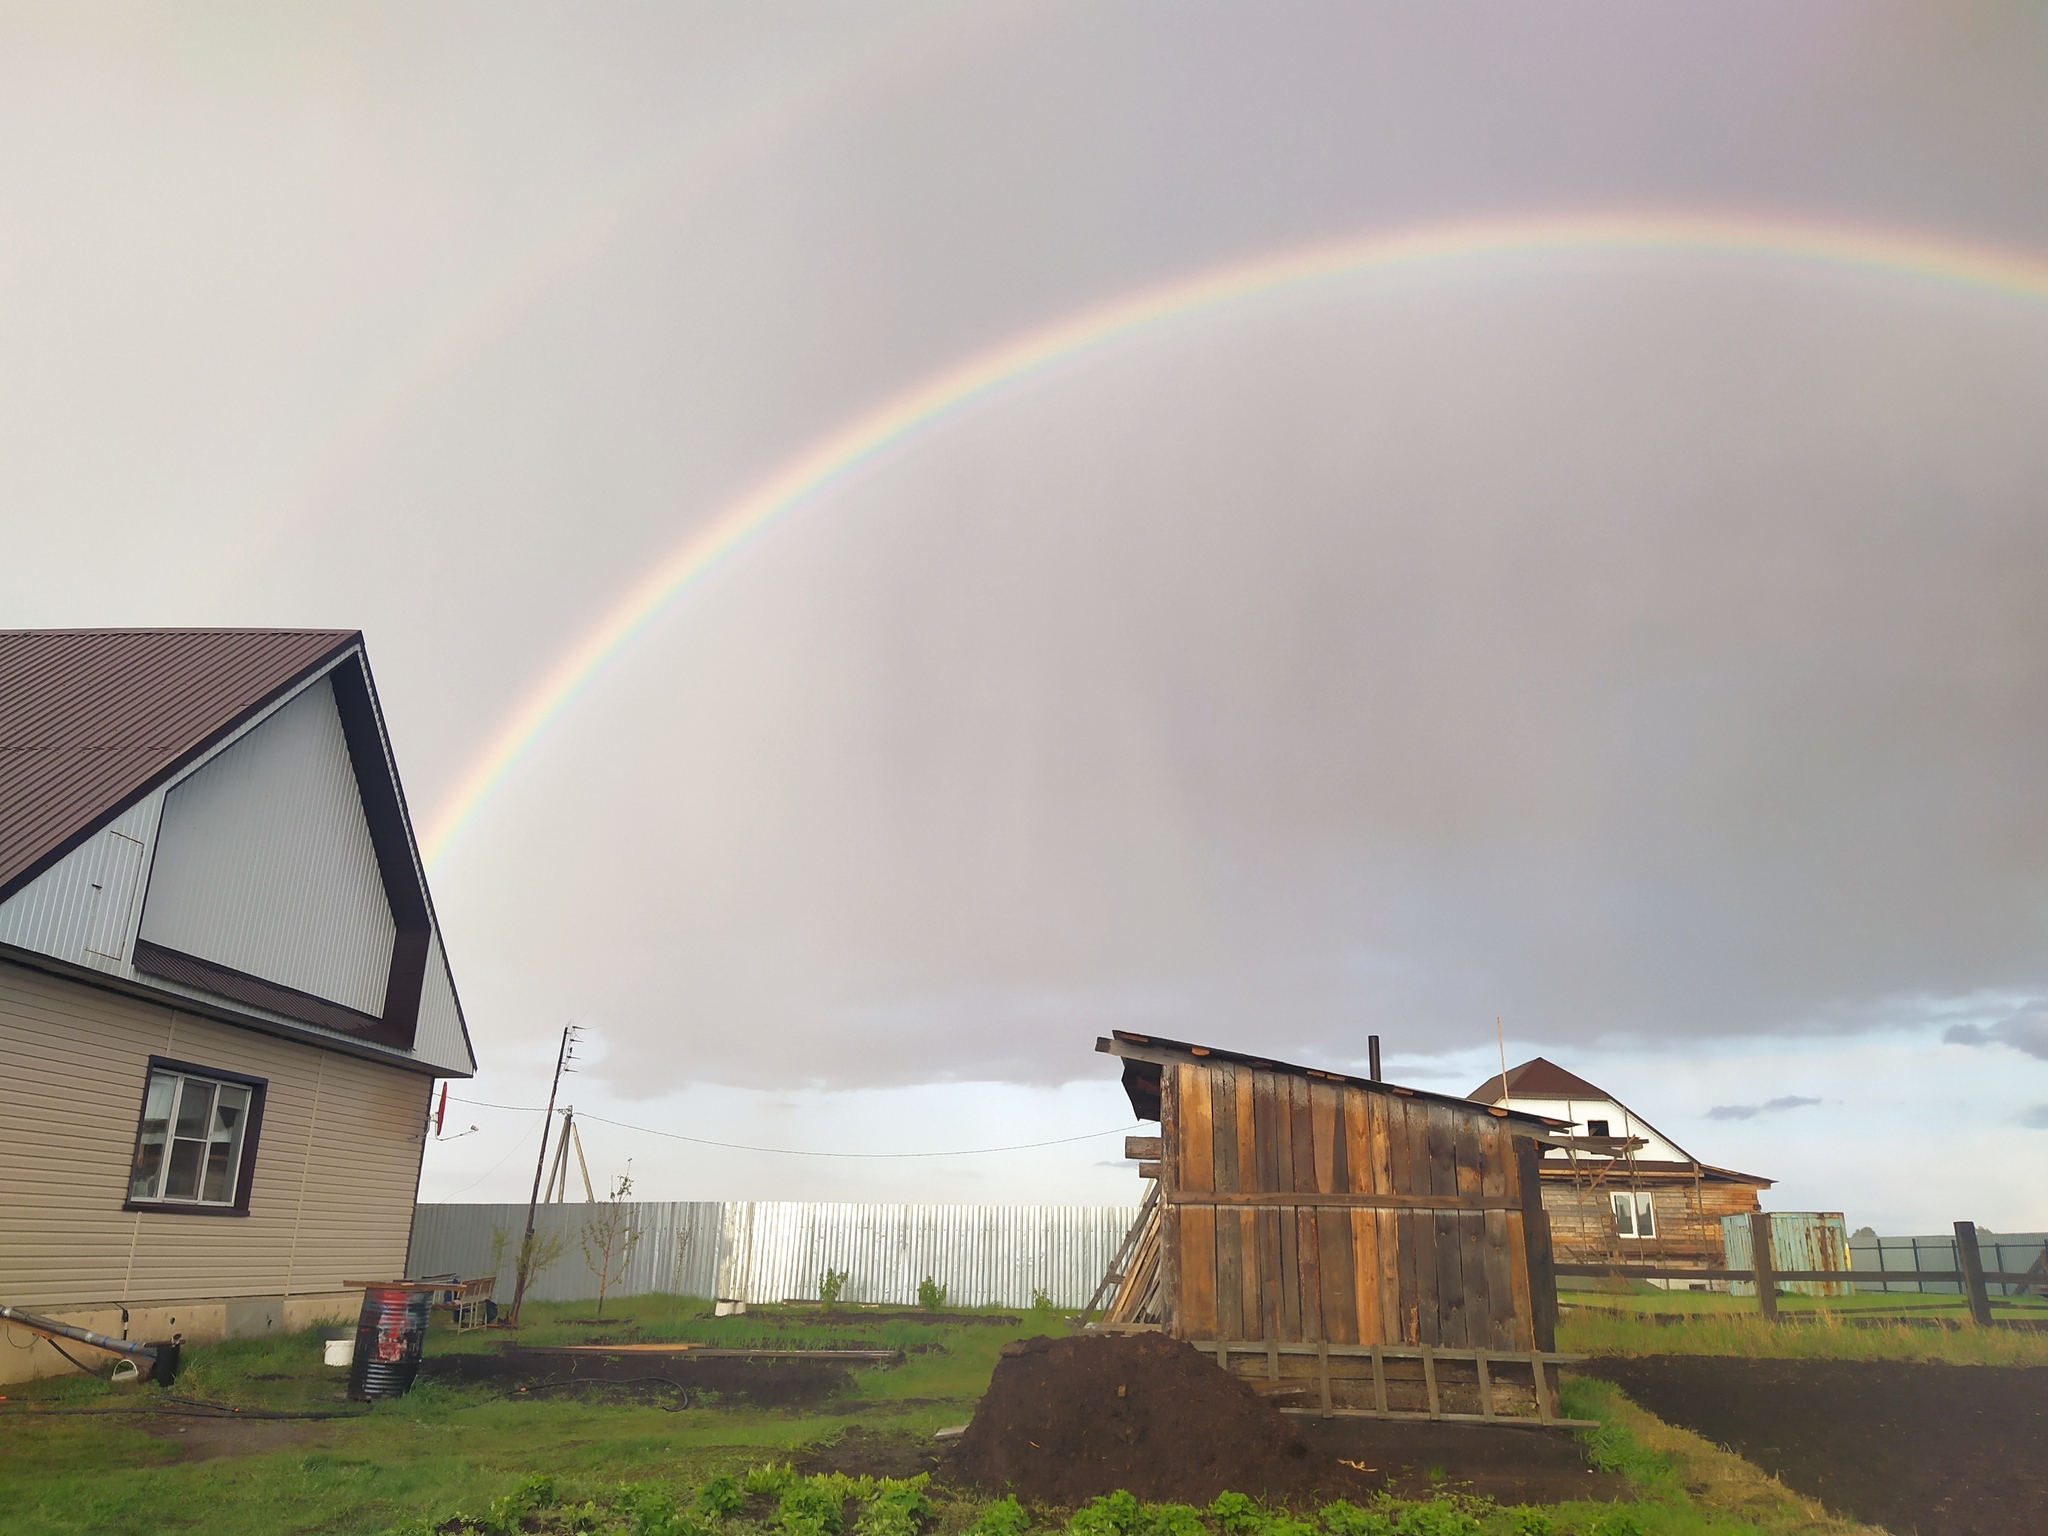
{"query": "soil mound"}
[(1066, 1420)]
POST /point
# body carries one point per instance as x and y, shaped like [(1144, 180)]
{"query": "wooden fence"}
[(1972, 1276)]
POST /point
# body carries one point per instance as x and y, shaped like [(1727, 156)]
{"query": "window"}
[(1634, 1216), (196, 1146), (1596, 1128)]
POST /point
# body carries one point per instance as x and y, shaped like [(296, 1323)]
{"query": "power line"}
[(737, 1146)]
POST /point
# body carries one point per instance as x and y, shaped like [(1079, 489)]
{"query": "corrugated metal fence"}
[(2011, 1253), (1807, 1240), (984, 1255)]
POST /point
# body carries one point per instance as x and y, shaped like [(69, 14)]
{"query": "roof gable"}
[(239, 841), (1538, 1078), (91, 720)]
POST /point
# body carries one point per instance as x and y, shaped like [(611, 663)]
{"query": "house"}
[(223, 994), (1616, 1187)]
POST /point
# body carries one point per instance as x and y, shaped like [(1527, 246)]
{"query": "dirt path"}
[(1922, 1450)]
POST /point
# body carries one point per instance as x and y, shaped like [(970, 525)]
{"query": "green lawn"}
[(557, 1463)]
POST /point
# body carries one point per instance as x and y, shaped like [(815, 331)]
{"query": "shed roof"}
[(1538, 1078), (1659, 1172), (1144, 1056), (92, 720)]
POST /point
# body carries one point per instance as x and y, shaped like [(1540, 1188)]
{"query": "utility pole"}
[(547, 1125)]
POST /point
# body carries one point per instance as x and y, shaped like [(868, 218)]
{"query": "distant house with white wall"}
[(223, 996), (1623, 1190)]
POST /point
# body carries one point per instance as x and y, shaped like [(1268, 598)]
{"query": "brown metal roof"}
[(1143, 1055), (91, 720), (1538, 1078), (1555, 1167)]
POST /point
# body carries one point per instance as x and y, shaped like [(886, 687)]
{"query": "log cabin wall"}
[(1688, 1218), (1422, 1225)]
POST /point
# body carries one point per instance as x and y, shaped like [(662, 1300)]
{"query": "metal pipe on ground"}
[(162, 1358)]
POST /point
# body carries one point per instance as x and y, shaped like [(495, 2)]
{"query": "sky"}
[(1636, 649)]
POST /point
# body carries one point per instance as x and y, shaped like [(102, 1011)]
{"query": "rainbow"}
[(930, 404)]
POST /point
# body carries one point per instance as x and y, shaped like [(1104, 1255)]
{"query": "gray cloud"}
[(1642, 646), (1751, 1111), (2026, 1030), (2035, 1119)]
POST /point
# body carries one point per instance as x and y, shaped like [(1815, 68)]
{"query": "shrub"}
[(654, 1513), (1437, 1517), (809, 1509), (1174, 1520), (721, 1496), (770, 1480), (1617, 1522), (1113, 1514), (1343, 1518), (1005, 1517), (1534, 1522), (1235, 1514), (930, 1294), (896, 1508), (830, 1287)]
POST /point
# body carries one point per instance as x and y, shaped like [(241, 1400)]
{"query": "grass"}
[(615, 1463), (1859, 1327)]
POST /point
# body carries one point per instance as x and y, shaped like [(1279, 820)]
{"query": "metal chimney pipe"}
[(1373, 1049)]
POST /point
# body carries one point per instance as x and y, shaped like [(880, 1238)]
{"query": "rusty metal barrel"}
[(390, 1334)]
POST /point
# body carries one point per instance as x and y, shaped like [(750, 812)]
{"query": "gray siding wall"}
[(763, 1251), (85, 908), (264, 862)]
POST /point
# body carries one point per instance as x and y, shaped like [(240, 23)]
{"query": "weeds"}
[(1005, 1517)]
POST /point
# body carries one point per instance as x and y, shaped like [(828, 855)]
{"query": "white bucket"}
[(728, 1308), (341, 1352)]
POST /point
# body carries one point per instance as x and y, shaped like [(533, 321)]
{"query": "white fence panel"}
[(761, 1251)]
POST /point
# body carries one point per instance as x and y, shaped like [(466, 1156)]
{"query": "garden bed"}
[(1919, 1449)]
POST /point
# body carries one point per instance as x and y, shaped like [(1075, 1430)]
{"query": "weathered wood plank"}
[(1494, 1162), (1429, 1321), (1307, 1243), (1542, 1282), (1356, 1107), (1289, 1278), (1443, 1176), (1229, 1229), (1333, 1227), (1388, 1235), (1266, 1129), (1169, 1216), (1198, 1226), (1408, 1264), (1251, 1299), (1475, 1302)]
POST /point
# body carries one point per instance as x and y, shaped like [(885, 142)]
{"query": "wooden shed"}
[(1300, 1215)]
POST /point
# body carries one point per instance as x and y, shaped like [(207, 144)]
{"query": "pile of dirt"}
[(1066, 1420), (1917, 1448)]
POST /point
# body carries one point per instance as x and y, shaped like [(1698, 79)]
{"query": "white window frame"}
[(1636, 1208), (171, 1089)]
